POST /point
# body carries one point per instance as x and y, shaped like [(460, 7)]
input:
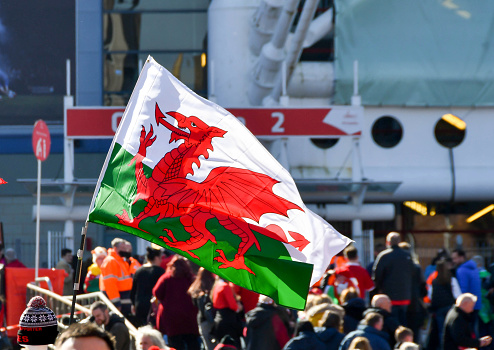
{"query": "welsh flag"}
[(184, 173)]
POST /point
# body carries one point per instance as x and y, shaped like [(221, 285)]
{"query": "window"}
[(173, 32), (387, 131)]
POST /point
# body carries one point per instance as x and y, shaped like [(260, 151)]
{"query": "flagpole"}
[(77, 281)]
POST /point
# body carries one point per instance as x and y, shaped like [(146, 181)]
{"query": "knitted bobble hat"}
[(38, 324)]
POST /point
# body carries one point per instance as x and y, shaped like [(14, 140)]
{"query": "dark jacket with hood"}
[(305, 341), (116, 326), (330, 337), (265, 329), (354, 309)]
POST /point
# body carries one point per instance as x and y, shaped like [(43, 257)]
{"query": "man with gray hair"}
[(116, 279), (393, 274), (11, 259), (458, 331)]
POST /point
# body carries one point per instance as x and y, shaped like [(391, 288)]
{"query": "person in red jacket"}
[(353, 269), (177, 315), (11, 259), (226, 320), (116, 279)]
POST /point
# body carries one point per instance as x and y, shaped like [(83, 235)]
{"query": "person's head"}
[(82, 336), (443, 272), (409, 346), (458, 256), (304, 326), (128, 247), (121, 247), (381, 301), (348, 294), (373, 319), (153, 256), (10, 255), (393, 239), (179, 267), (466, 302), (147, 336), (66, 255), (360, 343), (99, 254), (351, 253), (203, 283), (403, 334), (100, 312), (331, 319)]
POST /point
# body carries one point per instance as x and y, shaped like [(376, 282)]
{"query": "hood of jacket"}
[(259, 315), (114, 318)]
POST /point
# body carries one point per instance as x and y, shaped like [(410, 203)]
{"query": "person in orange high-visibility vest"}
[(134, 263), (116, 279)]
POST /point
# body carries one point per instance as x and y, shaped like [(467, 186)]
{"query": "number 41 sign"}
[(41, 140)]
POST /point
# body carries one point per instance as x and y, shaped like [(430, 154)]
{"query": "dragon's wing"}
[(235, 192)]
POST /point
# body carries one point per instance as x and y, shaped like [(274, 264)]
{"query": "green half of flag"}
[(276, 274)]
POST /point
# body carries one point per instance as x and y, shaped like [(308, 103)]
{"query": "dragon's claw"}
[(123, 218), (238, 263)]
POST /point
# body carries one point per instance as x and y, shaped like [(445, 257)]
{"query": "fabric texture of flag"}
[(185, 174)]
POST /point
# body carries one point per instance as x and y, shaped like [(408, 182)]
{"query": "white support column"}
[(68, 165)]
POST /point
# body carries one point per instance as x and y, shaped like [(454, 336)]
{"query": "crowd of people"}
[(390, 304)]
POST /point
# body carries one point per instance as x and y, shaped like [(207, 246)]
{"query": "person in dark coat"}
[(177, 315), (381, 304), (329, 332), (392, 273), (416, 311), (265, 329), (143, 282), (354, 307), (370, 328), (458, 332), (305, 338)]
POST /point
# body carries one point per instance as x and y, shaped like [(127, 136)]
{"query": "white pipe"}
[(296, 45), (61, 213), (38, 204), (263, 23), (267, 68), (67, 73), (319, 28), (312, 79), (348, 212)]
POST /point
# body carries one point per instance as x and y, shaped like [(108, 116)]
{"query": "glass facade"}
[(173, 32)]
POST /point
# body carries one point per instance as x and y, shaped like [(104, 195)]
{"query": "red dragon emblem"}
[(227, 194)]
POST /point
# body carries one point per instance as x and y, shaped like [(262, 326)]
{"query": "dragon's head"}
[(196, 134)]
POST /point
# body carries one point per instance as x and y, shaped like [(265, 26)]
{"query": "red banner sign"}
[(335, 121)]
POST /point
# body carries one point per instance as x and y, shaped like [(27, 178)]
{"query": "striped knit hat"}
[(38, 324)]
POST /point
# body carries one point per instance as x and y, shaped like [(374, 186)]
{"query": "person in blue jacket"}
[(467, 275), (370, 328), (305, 338)]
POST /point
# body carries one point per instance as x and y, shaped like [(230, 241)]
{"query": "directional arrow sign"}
[(312, 122)]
